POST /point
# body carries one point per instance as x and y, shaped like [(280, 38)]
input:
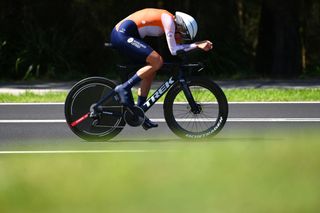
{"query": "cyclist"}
[(127, 37)]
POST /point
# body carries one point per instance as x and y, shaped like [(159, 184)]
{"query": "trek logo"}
[(136, 43), (163, 88)]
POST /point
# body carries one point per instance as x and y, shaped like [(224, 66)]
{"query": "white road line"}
[(247, 120), (273, 120), (160, 103), (33, 121), (276, 102), (29, 104), (76, 151), (262, 102), (162, 120)]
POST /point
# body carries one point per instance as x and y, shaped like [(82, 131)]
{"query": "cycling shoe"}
[(148, 124), (126, 97)]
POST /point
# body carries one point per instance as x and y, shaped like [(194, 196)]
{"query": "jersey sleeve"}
[(169, 30)]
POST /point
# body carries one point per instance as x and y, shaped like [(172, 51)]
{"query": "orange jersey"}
[(149, 21), (148, 17), (156, 22)]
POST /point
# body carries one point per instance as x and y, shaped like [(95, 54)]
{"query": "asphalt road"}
[(25, 124)]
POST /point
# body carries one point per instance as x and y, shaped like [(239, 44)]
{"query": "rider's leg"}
[(128, 41), (124, 90), (154, 61), (145, 85), (147, 123), (148, 73), (141, 100)]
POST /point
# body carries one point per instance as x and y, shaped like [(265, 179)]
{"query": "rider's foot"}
[(124, 90), (125, 96), (148, 124)]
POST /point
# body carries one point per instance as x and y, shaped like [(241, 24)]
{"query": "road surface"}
[(25, 124)]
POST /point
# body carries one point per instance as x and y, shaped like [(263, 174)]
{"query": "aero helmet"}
[(188, 23)]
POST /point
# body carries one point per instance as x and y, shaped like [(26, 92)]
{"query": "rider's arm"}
[(169, 29)]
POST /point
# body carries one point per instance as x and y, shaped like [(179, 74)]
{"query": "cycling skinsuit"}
[(128, 34)]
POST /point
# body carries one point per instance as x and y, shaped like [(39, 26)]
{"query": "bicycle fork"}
[(186, 90)]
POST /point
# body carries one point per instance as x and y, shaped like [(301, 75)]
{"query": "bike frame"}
[(164, 88), (180, 78)]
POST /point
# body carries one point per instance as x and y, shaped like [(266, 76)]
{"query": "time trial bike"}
[(194, 107)]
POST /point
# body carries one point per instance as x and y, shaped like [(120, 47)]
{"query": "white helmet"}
[(188, 23)]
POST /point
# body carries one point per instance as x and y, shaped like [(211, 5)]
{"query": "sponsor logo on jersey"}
[(136, 43), (130, 40)]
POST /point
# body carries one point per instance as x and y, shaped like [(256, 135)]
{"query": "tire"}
[(84, 95), (186, 124)]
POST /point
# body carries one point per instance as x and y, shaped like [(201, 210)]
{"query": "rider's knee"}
[(155, 60), (159, 62)]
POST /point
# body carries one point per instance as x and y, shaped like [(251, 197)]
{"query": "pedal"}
[(134, 116)]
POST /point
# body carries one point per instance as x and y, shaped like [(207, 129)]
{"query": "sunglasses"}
[(183, 32)]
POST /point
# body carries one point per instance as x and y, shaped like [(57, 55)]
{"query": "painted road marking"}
[(77, 151), (162, 120), (158, 103)]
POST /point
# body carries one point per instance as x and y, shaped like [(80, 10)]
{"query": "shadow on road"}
[(213, 140)]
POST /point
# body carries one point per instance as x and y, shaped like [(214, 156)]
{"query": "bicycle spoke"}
[(180, 114), (206, 124), (187, 123)]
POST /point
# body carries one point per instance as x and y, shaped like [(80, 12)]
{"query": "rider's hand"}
[(205, 45)]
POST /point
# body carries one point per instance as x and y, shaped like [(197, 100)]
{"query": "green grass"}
[(310, 94), (274, 174), (30, 97)]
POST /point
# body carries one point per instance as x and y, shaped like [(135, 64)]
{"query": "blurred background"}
[(254, 39)]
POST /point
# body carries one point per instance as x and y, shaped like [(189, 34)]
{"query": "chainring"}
[(134, 116)]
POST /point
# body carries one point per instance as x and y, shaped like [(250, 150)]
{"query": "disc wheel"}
[(79, 105)]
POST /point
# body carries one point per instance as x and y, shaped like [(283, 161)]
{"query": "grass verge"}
[(279, 175), (308, 94), (31, 97)]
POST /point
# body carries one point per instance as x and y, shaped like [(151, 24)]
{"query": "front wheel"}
[(210, 117)]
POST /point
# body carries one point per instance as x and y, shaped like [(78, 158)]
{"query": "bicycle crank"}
[(134, 116)]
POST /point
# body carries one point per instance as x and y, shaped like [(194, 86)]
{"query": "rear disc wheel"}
[(79, 103)]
